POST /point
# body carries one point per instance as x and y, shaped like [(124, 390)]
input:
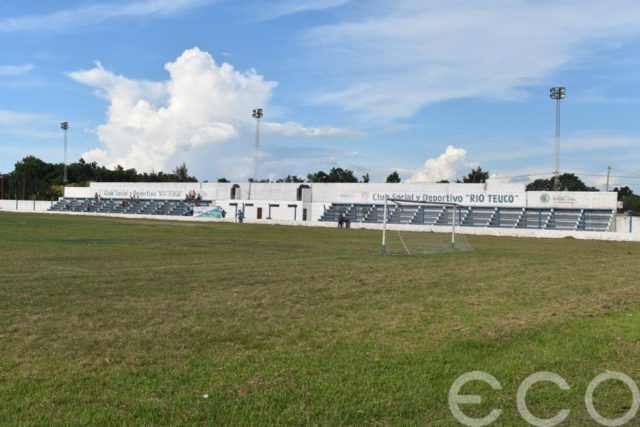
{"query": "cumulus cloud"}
[(409, 53), (447, 166), (150, 122), (155, 125)]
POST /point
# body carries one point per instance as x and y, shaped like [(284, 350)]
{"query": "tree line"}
[(33, 178)]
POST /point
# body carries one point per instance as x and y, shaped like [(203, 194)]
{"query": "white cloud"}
[(203, 105), (449, 165), (409, 53), (95, 14), (15, 70), (148, 123), (588, 142), (296, 130), (523, 176), (13, 118), (288, 7)]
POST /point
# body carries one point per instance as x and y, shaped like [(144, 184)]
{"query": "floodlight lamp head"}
[(257, 113), (64, 125), (557, 93)]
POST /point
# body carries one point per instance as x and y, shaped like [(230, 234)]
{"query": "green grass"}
[(116, 321)]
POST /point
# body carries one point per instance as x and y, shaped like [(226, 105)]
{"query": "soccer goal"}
[(399, 216)]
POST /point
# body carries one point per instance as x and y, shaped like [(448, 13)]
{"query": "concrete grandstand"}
[(481, 205)]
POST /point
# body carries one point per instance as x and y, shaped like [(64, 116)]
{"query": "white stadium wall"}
[(25, 205), (629, 225), (282, 210), (320, 194), (290, 203)]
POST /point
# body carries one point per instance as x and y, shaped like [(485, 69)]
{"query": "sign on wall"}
[(572, 199), (466, 199), (213, 212), (506, 195)]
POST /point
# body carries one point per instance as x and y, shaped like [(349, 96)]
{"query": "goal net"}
[(400, 216)]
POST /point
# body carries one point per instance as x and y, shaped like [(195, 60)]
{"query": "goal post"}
[(400, 215), (384, 225)]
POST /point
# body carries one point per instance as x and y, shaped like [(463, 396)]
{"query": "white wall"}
[(490, 194), (282, 212), (622, 224), (25, 205)]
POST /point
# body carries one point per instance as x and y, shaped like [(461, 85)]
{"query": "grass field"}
[(117, 321)]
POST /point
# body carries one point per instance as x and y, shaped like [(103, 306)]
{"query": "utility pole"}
[(65, 126), (557, 93), (608, 176)]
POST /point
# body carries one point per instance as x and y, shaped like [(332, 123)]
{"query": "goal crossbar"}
[(400, 202)]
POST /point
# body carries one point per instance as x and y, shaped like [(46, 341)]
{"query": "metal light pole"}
[(65, 126), (257, 114), (557, 93)]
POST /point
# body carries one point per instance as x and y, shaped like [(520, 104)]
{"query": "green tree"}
[(394, 178), (223, 180), (630, 201), (568, 182), (319, 176), (365, 178), (181, 173), (334, 175), (623, 192), (33, 178), (476, 176), (341, 175), (291, 179)]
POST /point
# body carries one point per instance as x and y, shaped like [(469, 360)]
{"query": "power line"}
[(624, 171), (523, 176), (613, 176), (597, 174)]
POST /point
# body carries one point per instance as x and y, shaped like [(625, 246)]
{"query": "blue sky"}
[(428, 88)]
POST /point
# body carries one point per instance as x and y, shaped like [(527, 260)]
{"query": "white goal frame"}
[(385, 218)]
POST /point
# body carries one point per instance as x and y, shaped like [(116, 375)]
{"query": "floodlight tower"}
[(257, 114), (557, 93), (65, 126)]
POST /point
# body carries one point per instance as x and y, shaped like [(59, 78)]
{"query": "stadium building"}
[(480, 206)]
